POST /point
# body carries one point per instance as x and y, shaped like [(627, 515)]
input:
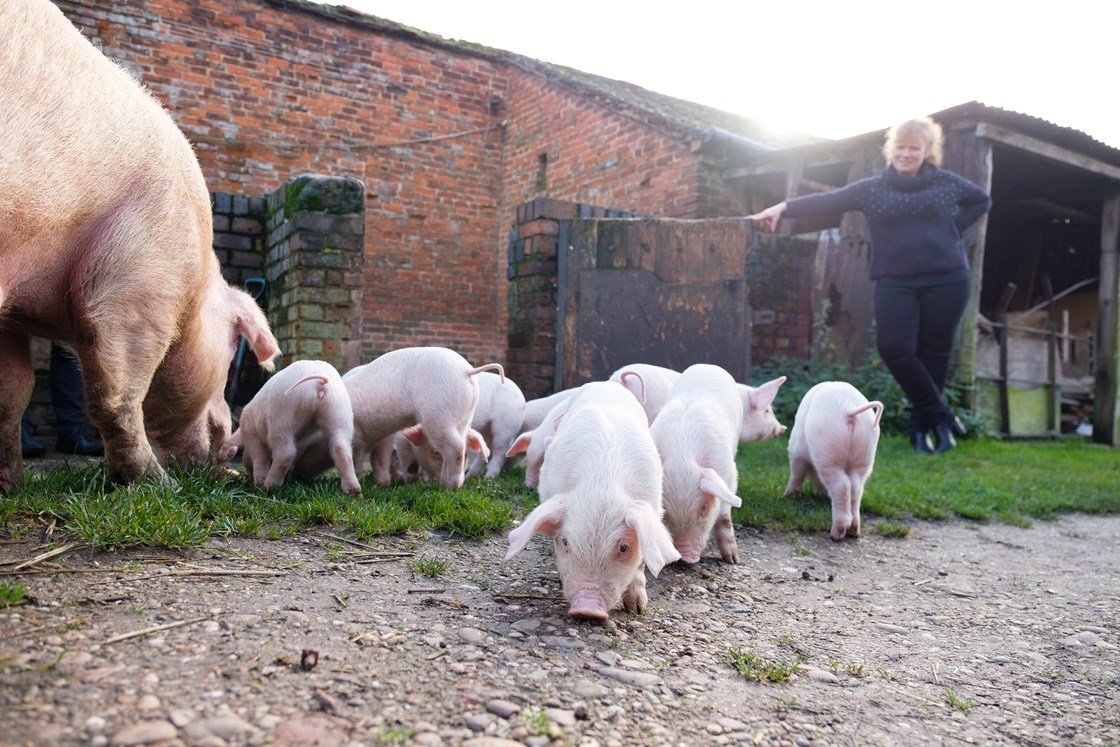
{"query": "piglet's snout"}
[(588, 603)]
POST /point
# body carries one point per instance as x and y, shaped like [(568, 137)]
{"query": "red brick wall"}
[(267, 93)]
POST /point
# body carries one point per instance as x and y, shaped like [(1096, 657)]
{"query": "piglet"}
[(534, 443), (833, 442), (600, 490), (432, 387), (697, 435), (759, 422), (651, 386), (305, 398), (537, 409), (415, 459)]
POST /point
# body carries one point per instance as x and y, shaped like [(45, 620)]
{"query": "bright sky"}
[(829, 67)]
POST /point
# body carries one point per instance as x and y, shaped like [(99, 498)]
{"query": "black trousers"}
[(67, 394), (916, 322)]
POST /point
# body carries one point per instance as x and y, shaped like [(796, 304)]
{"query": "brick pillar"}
[(531, 353), (313, 262)]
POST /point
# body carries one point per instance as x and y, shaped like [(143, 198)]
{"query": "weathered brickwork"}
[(238, 235), (313, 263)]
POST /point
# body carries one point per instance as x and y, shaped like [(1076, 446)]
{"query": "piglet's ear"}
[(416, 435), (475, 442), (520, 444), (763, 397), (653, 538), (546, 518), (712, 484)]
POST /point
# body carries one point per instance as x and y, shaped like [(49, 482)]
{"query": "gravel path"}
[(958, 634)]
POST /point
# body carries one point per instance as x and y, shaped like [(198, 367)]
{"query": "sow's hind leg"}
[(118, 370)]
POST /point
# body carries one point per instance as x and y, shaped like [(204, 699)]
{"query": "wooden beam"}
[(1064, 211), (1047, 150), (1106, 405)]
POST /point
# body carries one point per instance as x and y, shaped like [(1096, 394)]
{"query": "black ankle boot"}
[(922, 442), (76, 442), (957, 425), (944, 432), (30, 448)]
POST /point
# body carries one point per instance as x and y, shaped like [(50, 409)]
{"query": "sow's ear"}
[(250, 321), (653, 538), (545, 518)]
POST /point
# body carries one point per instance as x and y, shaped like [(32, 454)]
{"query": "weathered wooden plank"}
[(1047, 150), (1106, 410)]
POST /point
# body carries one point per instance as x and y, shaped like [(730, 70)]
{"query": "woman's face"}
[(908, 154)]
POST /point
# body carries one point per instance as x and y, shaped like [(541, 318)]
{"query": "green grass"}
[(755, 667), (12, 594), (983, 479), (193, 506)]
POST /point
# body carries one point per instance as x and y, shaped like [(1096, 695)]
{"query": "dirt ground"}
[(957, 634)]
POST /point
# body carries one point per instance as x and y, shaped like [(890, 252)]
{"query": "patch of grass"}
[(983, 479), (12, 594), (192, 505), (956, 700), (427, 565), (755, 667), (394, 735), (891, 529)]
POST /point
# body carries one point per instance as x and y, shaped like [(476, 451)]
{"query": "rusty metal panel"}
[(667, 292)]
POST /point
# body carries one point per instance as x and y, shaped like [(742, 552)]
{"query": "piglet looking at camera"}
[(306, 398), (697, 435), (600, 490), (833, 442)]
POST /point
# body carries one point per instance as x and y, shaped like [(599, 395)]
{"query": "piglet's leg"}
[(15, 392), (634, 599), (342, 454), (283, 455), (724, 533)]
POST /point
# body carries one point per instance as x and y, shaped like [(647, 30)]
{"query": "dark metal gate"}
[(666, 292)]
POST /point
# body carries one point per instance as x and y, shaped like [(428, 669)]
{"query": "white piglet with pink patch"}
[(600, 490), (306, 398), (833, 442), (697, 435)]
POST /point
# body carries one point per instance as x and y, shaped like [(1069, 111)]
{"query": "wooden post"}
[(970, 155), (1106, 411)]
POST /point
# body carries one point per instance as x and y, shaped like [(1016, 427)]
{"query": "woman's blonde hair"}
[(924, 128)]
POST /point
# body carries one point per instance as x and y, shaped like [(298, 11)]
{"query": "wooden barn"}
[(1038, 345)]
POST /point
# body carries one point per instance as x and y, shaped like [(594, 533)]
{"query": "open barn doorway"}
[(1039, 299)]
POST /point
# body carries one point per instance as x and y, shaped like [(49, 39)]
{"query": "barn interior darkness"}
[(1045, 222)]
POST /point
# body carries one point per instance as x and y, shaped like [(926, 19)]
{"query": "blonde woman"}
[(916, 213)]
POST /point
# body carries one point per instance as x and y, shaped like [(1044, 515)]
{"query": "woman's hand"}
[(770, 217)]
